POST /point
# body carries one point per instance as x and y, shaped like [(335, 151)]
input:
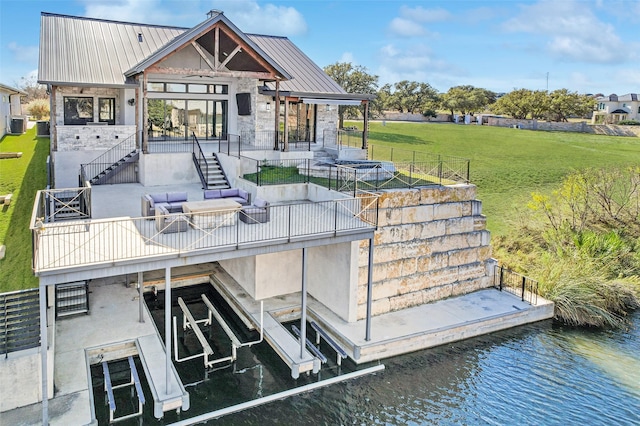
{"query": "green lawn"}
[(22, 177), (507, 164)]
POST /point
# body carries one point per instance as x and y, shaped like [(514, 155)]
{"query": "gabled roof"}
[(629, 97), (11, 90), (193, 33), (96, 52)]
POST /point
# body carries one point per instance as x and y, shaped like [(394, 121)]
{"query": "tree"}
[(411, 96), (563, 104), (522, 103), (467, 99), (32, 88), (353, 79)]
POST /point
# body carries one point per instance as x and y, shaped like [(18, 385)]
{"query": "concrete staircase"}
[(214, 176)]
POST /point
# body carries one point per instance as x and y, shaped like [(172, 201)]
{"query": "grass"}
[(22, 177), (507, 165)]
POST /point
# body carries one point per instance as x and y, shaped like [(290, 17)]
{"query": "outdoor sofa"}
[(258, 212), (236, 194), (172, 201)]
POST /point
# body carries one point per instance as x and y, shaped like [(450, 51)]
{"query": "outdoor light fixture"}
[(268, 106), (131, 101)]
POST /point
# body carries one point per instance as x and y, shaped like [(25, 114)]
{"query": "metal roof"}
[(85, 51), (75, 50), (12, 90)]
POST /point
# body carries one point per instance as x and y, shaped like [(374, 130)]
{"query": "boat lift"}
[(340, 353), (108, 388), (189, 322)]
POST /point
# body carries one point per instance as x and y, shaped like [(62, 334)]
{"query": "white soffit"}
[(318, 101)]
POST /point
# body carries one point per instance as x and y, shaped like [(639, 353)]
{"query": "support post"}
[(167, 325), (369, 291), (365, 130), (285, 136), (303, 307), (44, 344), (276, 146), (140, 295)]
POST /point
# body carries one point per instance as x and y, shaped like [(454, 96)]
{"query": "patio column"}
[(303, 307), (369, 291), (365, 130), (44, 344), (140, 295), (167, 326), (286, 125)]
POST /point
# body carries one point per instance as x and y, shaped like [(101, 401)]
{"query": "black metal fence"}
[(261, 140), (350, 138), (515, 283), (19, 320), (115, 157)]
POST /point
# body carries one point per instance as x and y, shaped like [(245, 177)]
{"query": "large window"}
[(107, 110), (175, 118), (78, 110)]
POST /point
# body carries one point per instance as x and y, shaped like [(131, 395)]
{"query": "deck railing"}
[(515, 283), (342, 138), (19, 320), (104, 241)]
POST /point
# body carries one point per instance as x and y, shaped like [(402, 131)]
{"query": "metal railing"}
[(164, 145), (230, 146), (358, 176), (342, 138), (506, 280), (445, 167), (110, 160), (104, 241), (54, 205), (264, 140), (19, 320)]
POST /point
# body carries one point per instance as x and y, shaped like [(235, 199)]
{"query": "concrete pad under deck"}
[(408, 330), (113, 321)]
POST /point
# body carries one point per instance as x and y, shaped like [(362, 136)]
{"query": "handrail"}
[(199, 156), (109, 158), (515, 283)]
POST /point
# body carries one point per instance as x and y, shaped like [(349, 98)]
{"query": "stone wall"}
[(407, 116), (581, 127), (431, 244)]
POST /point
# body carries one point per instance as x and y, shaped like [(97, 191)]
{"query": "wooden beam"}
[(231, 55), (206, 73), (216, 48), (276, 147), (250, 51), (202, 54)]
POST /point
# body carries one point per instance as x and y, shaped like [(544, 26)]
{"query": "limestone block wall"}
[(431, 244)]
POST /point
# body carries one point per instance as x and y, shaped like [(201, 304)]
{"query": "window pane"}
[(220, 89), (155, 87), (176, 87), (78, 110), (107, 110), (197, 88)]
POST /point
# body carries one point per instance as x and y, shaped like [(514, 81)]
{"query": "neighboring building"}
[(613, 108), (11, 109)]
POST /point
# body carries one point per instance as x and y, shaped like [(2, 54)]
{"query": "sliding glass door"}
[(178, 119)]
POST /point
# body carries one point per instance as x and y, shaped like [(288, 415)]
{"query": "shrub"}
[(629, 123), (38, 109)]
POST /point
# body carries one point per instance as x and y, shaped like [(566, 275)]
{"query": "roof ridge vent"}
[(214, 12)]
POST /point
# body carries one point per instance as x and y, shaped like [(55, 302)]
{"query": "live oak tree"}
[(522, 104), (466, 99), (410, 96), (353, 79)]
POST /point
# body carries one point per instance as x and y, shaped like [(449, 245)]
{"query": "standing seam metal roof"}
[(76, 50)]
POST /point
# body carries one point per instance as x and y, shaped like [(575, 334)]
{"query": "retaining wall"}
[(431, 244)]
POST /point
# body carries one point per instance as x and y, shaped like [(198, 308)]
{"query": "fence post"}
[(440, 170), (524, 279), (258, 172), (501, 277)]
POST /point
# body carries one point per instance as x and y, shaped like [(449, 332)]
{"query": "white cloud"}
[(27, 54), (414, 63), (572, 30), (252, 17), (348, 58), (420, 14), (406, 28)]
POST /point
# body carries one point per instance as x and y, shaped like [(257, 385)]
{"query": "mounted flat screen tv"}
[(244, 103)]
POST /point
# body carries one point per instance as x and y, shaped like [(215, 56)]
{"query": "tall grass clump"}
[(583, 244)]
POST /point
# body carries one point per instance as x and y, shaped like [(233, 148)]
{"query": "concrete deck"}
[(408, 330), (113, 321)]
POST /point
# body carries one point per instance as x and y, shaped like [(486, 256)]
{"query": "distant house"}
[(613, 109), (10, 108)]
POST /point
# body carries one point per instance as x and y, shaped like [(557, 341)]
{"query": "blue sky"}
[(587, 46)]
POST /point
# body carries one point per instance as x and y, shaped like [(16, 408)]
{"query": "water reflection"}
[(541, 374)]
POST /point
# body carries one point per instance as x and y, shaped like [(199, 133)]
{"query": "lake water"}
[(540, 374)]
